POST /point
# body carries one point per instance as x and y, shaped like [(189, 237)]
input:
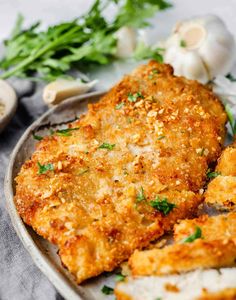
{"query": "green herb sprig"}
[(196, 235), (65, 132), (89, 39), (107, 146), (213, 174), (107, 290), (162, 205), (44, 168)]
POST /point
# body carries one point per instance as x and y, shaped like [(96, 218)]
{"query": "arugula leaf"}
[(140, 196), (143, 51), (230, 77), (196, 235), (107, 146), (107, 290), (72, 45), (37, 137), (44, 168), (232, 122), (212, 174), (162, 205)]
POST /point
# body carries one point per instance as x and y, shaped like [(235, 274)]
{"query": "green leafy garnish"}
[(37, 137), (44, 168), (183, 44), (196, 235), (119, 105), (232, 122), (211, 175), (230, 77), (89, 39), (160, 137), (153, 72), (143, 51), (134, 97), (162, 205), (140, 196), (64, 132), (120, 277), (107, 146), (107, 290)]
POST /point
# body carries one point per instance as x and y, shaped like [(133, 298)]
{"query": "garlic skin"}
[(201, 48), (126, 42), (58, 90)]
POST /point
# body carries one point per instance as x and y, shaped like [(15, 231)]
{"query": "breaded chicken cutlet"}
[(196, 285), (221, 191), (125, 172)]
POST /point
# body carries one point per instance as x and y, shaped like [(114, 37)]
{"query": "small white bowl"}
[(9, 99)]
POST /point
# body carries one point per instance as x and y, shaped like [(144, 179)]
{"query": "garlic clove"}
[(57, 91), (126, 42)]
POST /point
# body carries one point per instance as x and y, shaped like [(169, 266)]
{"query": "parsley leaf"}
[(212, 174), (134, 97), (196, 235), (140, 196), (143, 51), (89, 39), (182, 44), (65, 132), (107, 146), (37, 137), (119, 105), (230, 77), (162, 205), (44, 168), (107, 290), (232, 122), (120, 277), (161, 137)]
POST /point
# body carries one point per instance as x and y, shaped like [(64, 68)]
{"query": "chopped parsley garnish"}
[(160, 137), (119, 105), (37, 137), (154, 71), (134, 97), (162, 205), (64, 132), (230, 77), (140, 196), (120, 277), (107, 146), (196, 235), (183, 44), (107, 290), (212, 174), (44, 168), (232, 122)]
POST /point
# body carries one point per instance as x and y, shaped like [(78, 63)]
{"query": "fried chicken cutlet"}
[(132, 166), (221, 191)]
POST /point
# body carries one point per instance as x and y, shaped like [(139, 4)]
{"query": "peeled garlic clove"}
[(57, 91), (207, 48), (126, 42)]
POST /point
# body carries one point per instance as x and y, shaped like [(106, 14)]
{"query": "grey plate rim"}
[(40, 260)]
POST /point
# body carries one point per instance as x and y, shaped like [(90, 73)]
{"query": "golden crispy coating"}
[(212, 228), (226, 294), (221, 191), (185, 257), (144, 136)]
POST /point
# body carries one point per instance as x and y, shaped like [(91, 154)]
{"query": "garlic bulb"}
[(126, 42), (59, 90), (201, 48)]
